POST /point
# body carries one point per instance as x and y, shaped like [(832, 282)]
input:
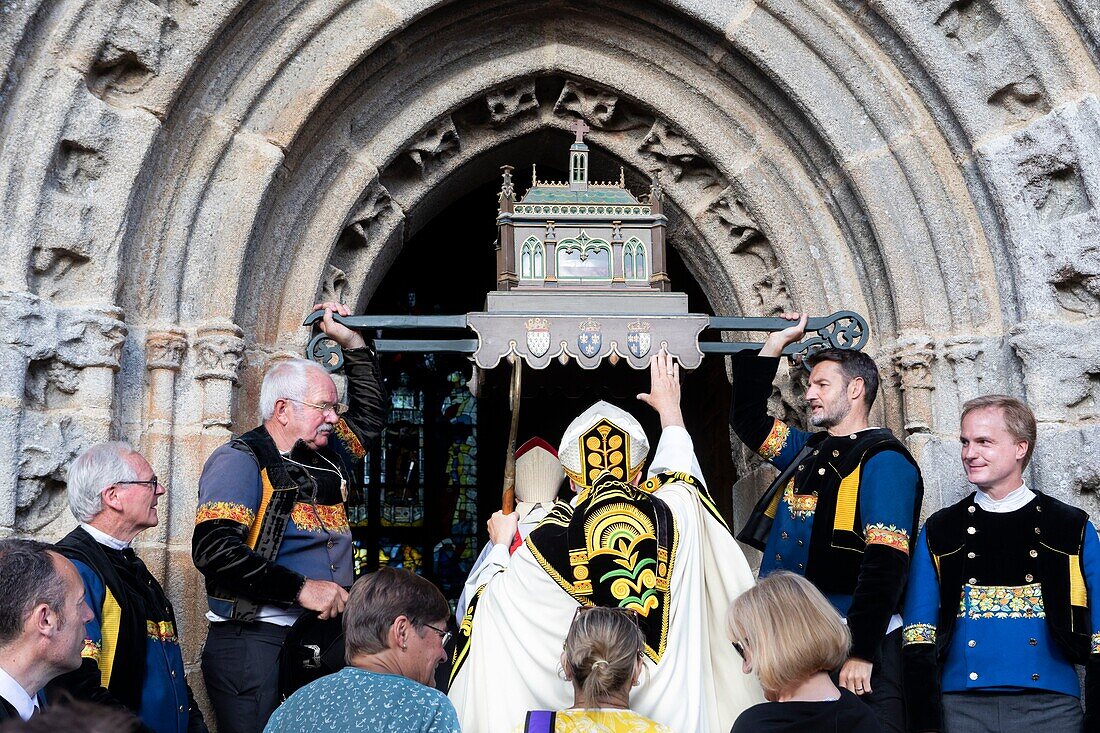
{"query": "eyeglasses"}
[(444, 636), (739, 647), (337, 408), (151, 483)]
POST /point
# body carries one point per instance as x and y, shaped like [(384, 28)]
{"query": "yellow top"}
[(603, 721)]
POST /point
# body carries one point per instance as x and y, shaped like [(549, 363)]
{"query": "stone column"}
[(164, 352), (913, 361), (963, 353), (91, 339), (219, 348)]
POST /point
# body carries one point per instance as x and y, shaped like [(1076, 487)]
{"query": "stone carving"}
[(130, 55), (1077, 284), (509, 102), (50, 264), (49, 445), (745, 238), (788, 400), (35, 336), (1062, 459), (434, 144), (969, 22), (57, 345), (1061, 368), (91, 337), (66, 244), (49, 383), (733, 215), (667, 145), (912, 359), (334, 284), (165, 349), (601, 109), (1021, 100), (1054, 188), (964, 353), (219, 348), (772, 294), (369, 210), (77, 165)]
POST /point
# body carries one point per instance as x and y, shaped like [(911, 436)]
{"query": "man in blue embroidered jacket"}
[(131, 654), (271, 530), (1002, 599), (843, 509)]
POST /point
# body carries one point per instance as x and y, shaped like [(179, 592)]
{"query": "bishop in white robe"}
[(660, 548)]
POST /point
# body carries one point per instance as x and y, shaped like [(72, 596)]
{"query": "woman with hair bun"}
[(791, 637), (602, 657)]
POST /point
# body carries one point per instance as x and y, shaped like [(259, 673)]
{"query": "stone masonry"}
[(180, 179)]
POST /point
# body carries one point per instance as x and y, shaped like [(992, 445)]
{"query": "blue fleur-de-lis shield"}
[(589, 341)]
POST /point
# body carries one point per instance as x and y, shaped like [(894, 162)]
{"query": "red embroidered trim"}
[(889, 535), (330, 518), (348, 437), (238, 513), (775, 442)]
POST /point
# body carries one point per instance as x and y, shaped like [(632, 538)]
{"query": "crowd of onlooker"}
[(858, 621)]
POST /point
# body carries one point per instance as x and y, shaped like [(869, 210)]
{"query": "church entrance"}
[(436, 475)]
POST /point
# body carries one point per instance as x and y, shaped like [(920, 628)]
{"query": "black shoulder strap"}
[(276, 517), (758, 528)]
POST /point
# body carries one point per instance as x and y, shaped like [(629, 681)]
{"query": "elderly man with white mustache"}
[(271, 530)]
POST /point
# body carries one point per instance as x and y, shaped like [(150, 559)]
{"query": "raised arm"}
[(753, 375)]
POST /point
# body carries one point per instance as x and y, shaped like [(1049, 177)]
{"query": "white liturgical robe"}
[(523, 615)]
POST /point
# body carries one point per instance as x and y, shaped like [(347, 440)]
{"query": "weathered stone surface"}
[(179, 180)]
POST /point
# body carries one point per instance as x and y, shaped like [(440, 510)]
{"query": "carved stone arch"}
[(195, 173)]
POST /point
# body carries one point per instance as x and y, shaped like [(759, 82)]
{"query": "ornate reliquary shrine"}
[(581, 274)]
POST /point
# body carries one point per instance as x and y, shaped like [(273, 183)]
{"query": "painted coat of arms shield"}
[(538, 336), (589, 339), (638, 339)]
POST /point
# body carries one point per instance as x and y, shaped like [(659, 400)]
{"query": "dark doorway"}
[(447, 504)]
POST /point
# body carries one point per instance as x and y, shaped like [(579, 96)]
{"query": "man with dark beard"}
[(843, 510)]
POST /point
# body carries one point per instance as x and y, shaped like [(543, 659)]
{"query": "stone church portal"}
[(181, 180)]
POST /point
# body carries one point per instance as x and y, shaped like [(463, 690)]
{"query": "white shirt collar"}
[(1015, 500), (14, 693), (103, 538)]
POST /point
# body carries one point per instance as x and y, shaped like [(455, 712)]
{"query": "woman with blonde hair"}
[(789, 635), (602, 657)]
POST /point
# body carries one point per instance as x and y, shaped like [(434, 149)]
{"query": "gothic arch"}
[(180, 179)]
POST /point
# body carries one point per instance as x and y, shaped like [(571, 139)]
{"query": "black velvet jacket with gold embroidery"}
[(842, 512)]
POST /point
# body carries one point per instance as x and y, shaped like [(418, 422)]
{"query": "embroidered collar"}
[(103, 538), (1015, 500)]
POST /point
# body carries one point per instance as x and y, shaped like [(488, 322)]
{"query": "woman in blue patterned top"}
[(395, 627)]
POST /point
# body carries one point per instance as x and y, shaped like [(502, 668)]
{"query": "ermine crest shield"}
[(538, 336)]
